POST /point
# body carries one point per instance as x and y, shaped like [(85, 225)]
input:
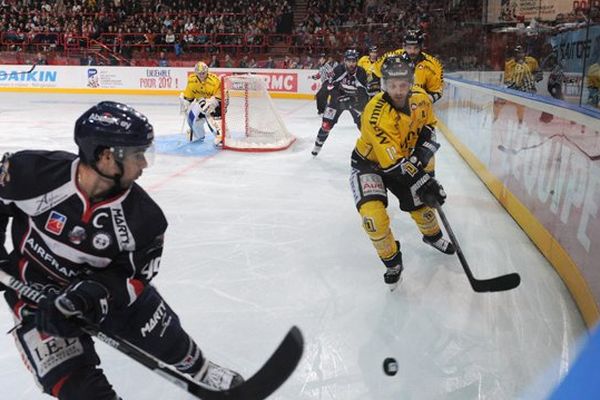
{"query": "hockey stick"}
[(505, 149), (498, 284), (30, 70), (262, 384)]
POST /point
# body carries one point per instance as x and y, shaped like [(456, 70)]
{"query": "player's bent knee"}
[(87, 383), (426, 221), (375, 219)]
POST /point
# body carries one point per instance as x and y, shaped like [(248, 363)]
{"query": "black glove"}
[(432, 193), (64, 314)]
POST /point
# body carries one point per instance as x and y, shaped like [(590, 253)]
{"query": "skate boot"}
[(393, 269), (439, 243), (217, 377), (317, 148)]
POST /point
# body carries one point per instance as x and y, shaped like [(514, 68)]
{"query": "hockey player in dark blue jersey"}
[(91, 238), (347, 90)]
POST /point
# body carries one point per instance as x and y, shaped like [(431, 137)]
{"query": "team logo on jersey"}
[(77, 235), (56, 222), (101, 240)]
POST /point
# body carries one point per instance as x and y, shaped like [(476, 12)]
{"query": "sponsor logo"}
[(121, 228), (109, 119), (47, 257), (101, 241), (77, 235), (22, 76), (372, 184), (48, 352), (161, 317), (56, 222)]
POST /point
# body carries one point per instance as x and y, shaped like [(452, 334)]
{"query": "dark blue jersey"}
[(59, 236)]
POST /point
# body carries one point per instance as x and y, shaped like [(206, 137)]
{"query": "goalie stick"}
[(262, 384), (498, 284)]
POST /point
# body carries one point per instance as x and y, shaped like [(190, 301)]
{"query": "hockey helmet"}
[(200, 69), (112, 125), (396, 67), (413, 37), (373, 49), (519, 49), (351, 54)]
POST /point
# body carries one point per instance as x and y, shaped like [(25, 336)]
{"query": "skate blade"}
[(394, 286)]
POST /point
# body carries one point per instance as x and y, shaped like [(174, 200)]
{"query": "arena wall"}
[(544, 171)]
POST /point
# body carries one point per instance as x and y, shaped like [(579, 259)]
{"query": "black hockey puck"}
[(390, 366)]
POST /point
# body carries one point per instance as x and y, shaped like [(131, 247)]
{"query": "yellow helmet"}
[(201, 69)]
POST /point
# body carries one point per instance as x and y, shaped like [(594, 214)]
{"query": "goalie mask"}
[(201, 70)]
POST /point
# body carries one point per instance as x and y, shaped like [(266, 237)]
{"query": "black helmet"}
[(373, 49), (414, 37), (111, 125), (519, 49), (351, 54), (396, 67)]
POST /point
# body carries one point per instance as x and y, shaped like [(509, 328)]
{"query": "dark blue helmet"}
[(351, 54), (111, 125), (413, 37)]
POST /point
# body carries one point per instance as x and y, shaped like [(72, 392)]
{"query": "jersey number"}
[(151, 268)]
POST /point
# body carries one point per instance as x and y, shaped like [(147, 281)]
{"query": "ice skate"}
[(315, 151), (392, 276), (440, 244), (217, 377)]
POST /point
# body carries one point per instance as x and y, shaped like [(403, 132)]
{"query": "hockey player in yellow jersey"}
[(201, 103), (429, 72), (593, 85), (368, 64), (395, 153), (521, 73)]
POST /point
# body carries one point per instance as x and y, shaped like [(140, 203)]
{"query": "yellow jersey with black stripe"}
[(368, 65), (429, 72), (388, 134), (197, 89)]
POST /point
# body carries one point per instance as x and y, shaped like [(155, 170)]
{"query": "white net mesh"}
[(250, 120)]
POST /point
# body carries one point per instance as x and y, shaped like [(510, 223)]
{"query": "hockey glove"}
[(425, 148), (210, 105), (64, 314), (184, 104), (432, 193)]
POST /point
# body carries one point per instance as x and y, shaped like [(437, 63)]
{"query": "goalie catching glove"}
[(62, 314)]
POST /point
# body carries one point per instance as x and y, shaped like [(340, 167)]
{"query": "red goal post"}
[(249, 119)]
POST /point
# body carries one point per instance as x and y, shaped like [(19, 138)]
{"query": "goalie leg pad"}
[(376, 223), (426, 221)]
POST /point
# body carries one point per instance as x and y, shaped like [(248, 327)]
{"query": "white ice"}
[(260, 242)]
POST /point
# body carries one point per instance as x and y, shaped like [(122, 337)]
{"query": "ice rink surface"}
[(260, 242)]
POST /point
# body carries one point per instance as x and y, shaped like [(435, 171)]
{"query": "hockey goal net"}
[(249, 119)]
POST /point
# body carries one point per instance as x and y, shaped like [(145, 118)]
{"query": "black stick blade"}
[(275, 371), (498, 284)]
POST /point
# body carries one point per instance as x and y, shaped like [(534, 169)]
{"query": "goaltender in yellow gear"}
[(202, 84), (395, 153)]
